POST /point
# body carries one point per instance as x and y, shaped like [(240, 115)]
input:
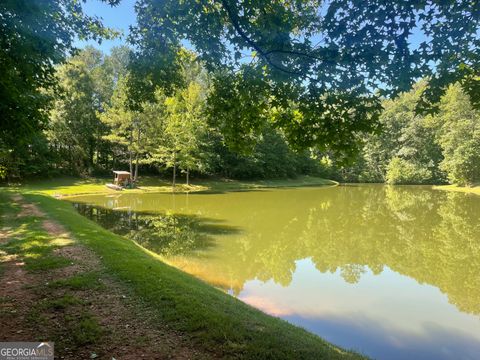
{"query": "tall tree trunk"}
[(130, 153), (130, 163), (70, 155), (136, 155), (97, 151), (188, 177), (105, 155), (136, 167), (91, 155), (174, 169)]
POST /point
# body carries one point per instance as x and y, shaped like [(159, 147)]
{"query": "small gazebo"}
[(122, 178)]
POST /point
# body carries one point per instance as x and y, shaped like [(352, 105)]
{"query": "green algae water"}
[(390, 271)]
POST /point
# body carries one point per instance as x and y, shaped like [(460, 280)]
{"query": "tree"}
[(183, 129), (192, 128), (114, 68), (126, 127), (35, 36), (404, 135), (74, 129), (409, 137), (320, 73), (459, 137), (86, 84), (401, 171)]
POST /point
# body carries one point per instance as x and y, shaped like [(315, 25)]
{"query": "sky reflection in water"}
[(393, 272), (375, 315)]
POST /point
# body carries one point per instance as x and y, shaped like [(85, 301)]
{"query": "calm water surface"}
[(392, 272)]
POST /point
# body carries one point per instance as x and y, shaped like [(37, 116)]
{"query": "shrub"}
[(401, 171), (463, 163)]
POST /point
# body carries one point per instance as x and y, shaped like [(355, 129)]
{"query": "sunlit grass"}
[(475, 189), (62, 187), (28, 240)]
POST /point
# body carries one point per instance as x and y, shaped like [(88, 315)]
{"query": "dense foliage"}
[(92, 129), (311, 68), (421, 149), (459, 137), (35, 36), (267, 89)]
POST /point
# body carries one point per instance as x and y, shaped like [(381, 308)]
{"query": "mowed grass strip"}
[(28, 240), (475, 189), (32, 248), (70, 186)]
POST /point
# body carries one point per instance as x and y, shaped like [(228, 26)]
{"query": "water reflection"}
[(391, 271), (166, 234), (436, 342)]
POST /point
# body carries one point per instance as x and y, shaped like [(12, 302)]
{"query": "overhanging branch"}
[(264, 54)]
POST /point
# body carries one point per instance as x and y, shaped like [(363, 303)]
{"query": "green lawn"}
[(466, 189), (211, 319), (74, 186)]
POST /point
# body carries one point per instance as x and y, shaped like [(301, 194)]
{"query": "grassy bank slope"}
[(465, 189), (214, 320), (75, 186)]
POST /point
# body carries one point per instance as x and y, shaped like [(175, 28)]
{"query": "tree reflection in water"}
[(166, 234), (430, 236)]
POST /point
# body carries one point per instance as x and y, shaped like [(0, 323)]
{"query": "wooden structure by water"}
[(121, 180), (113, 186)]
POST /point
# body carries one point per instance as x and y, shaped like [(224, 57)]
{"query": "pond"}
[(390, 271)]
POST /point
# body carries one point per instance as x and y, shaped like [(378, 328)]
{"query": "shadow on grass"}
[(27, 240)]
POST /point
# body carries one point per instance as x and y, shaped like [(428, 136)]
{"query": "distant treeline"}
[(92, 128), (419, 149)]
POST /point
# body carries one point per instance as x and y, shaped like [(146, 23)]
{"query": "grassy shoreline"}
[(63, 187), (214, 321), (465, 189)]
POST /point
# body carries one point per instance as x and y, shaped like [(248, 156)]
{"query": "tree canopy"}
[(321, 66), (306, 84), (419, 149), (35, 36)]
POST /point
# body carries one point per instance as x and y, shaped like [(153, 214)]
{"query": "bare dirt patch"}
[(130, 334), (82, 260), (27, 208), (53, 228), (15, 301)]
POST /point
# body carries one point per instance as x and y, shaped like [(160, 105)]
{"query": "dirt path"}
[(78, 305)]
